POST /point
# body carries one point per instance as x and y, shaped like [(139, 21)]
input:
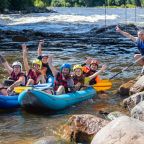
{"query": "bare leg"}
[(3, 90), (141, 61), (60, 90)]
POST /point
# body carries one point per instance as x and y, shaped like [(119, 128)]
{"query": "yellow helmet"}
[(38, 62), (77, 67)]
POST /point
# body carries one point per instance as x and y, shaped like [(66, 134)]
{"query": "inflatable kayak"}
[(36, 99), (7, 102)]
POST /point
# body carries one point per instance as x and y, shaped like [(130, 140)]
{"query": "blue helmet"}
[(66, 65)]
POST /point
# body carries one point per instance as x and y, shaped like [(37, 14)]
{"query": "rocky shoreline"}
[(103, 37), (115, 128)]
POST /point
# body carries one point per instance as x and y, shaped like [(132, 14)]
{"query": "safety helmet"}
[(77, 67), (94, 61), (66, 65), (17, 63), (38, 62), (44, 55)]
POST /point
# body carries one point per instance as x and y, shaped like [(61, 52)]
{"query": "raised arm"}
[(53, 69), (98, 72), (5, 64), (39, 51), (125, 34), (25, 59)]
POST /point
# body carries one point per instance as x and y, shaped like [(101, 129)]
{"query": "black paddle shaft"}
[(125, 68)]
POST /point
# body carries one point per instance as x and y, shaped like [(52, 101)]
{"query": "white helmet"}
[(17, 63)]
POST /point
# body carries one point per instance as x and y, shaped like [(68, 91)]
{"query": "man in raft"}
[(139, 41), (63, 80), (17, 77)]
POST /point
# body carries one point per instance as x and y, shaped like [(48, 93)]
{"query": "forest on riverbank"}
[(24, 4)]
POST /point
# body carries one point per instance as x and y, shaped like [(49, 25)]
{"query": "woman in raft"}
[(46, 71), (80, 80), (33, 74), (16, 76)]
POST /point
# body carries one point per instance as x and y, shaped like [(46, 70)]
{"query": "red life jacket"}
[(94, 80), (15, 77), (77, 79), (61, 81), (33, 75)]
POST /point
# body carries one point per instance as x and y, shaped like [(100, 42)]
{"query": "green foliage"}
[(3, 5), (23, 4), (58, 3), (39, 3)]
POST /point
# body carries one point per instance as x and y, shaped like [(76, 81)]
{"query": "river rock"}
[(125, 88), (48, 140), (114, 115), (138, 86), (133, 100), (138, 111), (81, 128), (123, 130)]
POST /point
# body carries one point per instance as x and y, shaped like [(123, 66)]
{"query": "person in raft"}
[(17, 77), (90, 69), (63, 80), (34, 75), (46, 71), (80, 80), (139, 41)]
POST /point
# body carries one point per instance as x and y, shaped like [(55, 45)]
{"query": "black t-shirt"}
[(48, 70)]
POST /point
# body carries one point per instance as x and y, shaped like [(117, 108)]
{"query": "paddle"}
[(103, 85), (106, 83), (20, 39), (20, 89)]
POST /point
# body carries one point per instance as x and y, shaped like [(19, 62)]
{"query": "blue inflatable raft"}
[(8, 102), (36, 99)]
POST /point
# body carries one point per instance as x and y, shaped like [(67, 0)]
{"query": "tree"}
[(138, 3), (3, 5)]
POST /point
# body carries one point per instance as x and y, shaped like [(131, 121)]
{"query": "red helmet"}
[(94, 61)]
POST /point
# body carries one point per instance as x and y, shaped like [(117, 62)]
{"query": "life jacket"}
[(88, 72), (33, 75), (15, 77), (61, 81), (43, 71), (77, 79)]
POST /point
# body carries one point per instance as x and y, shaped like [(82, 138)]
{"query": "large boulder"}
[(124, 89), (138, 111), (81, 128), (138, 86), (133, 100), (123, 130)]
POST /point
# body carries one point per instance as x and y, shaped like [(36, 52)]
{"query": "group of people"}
[(66, 80)]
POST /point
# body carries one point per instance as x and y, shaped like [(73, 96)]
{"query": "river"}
[(17, 126)]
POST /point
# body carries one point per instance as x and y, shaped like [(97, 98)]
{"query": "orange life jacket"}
[(89, 72)]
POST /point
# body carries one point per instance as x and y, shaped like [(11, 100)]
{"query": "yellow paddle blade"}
[(102, 88), (103, 85), (21, 89)]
